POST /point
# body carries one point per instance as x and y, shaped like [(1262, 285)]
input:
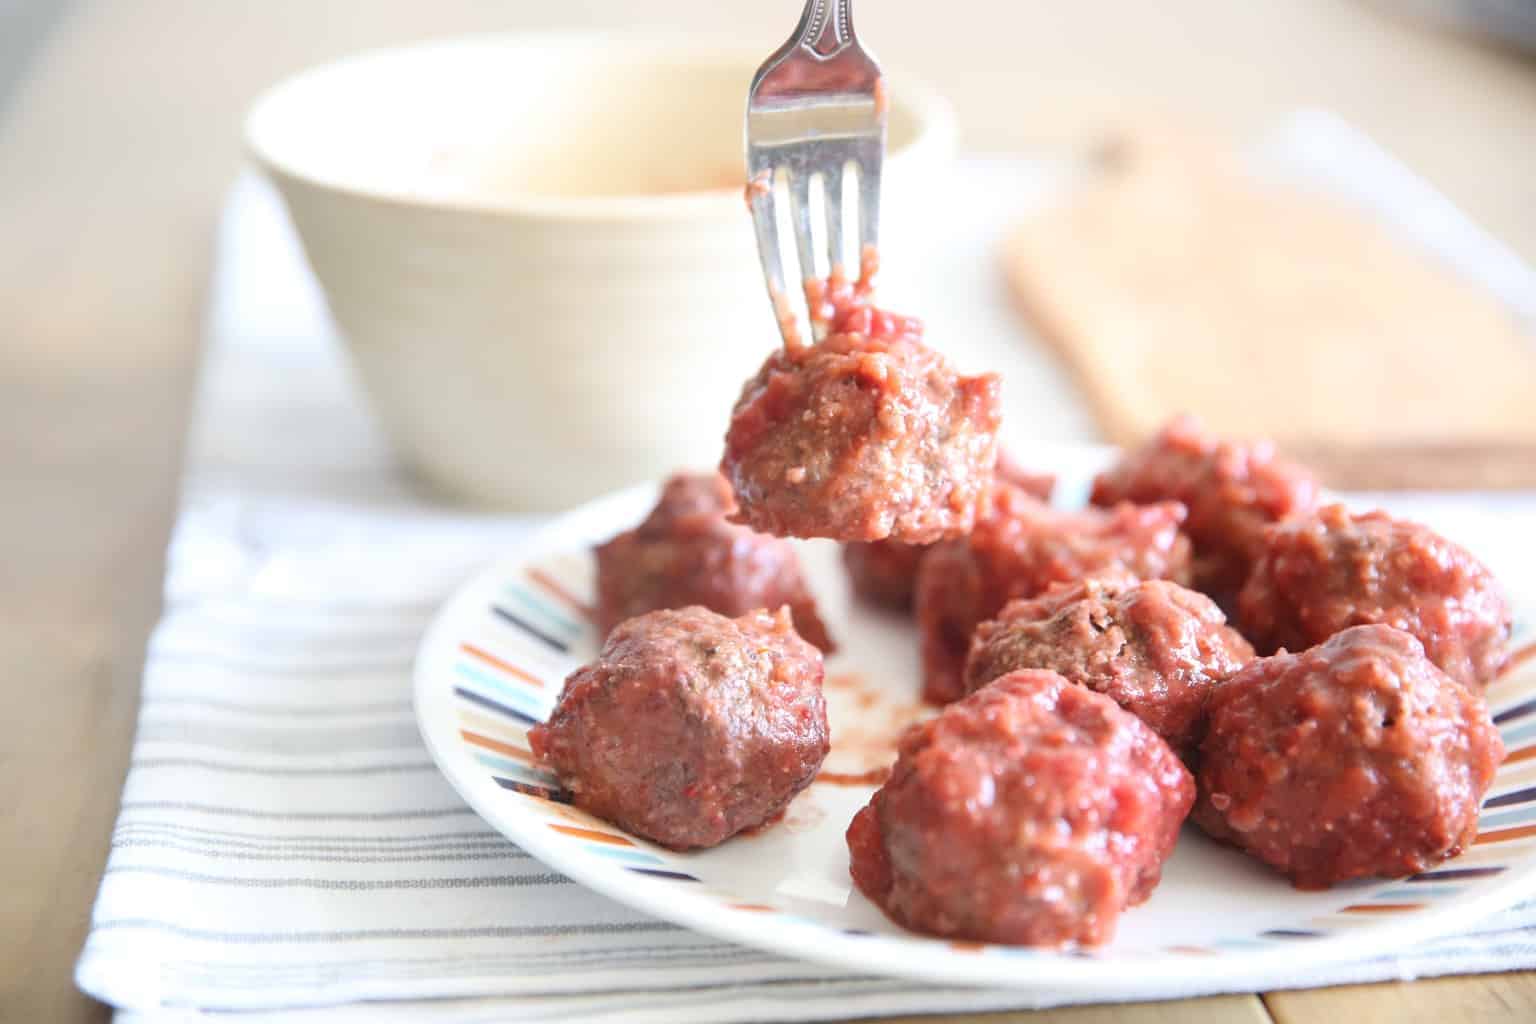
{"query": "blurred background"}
[(121, 135), (1414, 74)]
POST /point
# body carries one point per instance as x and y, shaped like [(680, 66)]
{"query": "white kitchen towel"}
[(286, 848)]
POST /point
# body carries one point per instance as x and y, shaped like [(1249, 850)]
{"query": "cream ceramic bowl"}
[(537, 250)]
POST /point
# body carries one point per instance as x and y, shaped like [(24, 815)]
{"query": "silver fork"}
[(816, 107)]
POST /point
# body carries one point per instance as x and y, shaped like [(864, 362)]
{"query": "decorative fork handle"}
[(821, 56), (826, 26)]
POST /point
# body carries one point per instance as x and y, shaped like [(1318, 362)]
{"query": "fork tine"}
[(869, 195), (832, 198), (814, 107), (800, 217), (766, 225)]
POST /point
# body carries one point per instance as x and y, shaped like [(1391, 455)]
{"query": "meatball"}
[(1332, 569), (1021, 549), (1155, 648), (1233, 491), (865, 435), (884, 572), (1356, 758), (1010, 471), (1032, 812), (686, 552), (690, 726)]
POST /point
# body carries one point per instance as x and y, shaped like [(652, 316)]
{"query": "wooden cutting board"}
[(1175, 281)]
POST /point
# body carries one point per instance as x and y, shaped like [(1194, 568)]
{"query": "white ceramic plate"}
[(494, 660)]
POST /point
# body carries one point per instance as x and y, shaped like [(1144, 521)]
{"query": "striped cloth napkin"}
[(286, 848)]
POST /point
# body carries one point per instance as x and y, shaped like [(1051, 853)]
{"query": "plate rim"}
[(909, 956)]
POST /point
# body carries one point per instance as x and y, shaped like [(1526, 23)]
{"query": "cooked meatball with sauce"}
[(884, 572), (1232, 491), (865, 435), (1332, 570), (686, 552), (690, 727), (1032, 812), (1353, 759), (1157, 649), (1021, 549)]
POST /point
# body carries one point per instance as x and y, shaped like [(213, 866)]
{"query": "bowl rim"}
[(934, 140)]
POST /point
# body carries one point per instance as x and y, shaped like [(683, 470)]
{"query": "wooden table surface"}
[(119, 133)]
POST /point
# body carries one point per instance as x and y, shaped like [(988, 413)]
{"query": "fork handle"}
[(826, 26)]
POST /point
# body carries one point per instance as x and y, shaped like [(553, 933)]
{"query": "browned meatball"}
[(884, 572), (1011, 471), (865, 435), (1032, 812), (1157, 649), (1331, 570), (1021, 549), (686, 552), (690, 726), (1233, 491), (1356, 758)]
